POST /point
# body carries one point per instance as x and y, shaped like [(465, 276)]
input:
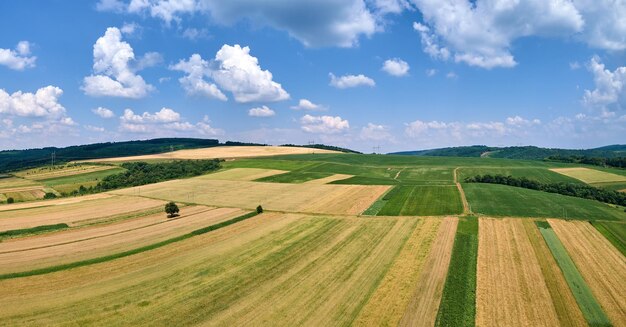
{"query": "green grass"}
[(591, 309), (539, 174), (380, 203), (153, 246), (458, 301), (267, 164), (70, 183), (293, 177), (32, 231), (422, 200), (502, 200), (614, 232)]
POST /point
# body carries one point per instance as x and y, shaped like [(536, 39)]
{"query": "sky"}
[(394, 74)]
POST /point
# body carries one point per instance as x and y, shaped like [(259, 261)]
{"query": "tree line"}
[(572, 189), (617, 162), (142, 173)]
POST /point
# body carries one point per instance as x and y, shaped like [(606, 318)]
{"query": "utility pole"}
[(376, 149), (53, 155)]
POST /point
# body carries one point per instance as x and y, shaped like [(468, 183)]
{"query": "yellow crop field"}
[(590, 176), (222, 152), (60, 171), (308, 198), (14, 182), (55, 202), (40, 252), (273, 269), (510, 288), (243, 174), (74, 213), (602, 266), (326, 180)]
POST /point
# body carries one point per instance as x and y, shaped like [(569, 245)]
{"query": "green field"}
[(293, 177), (539, 174), (412, 200), (587, 303), (502, 200), (458, 302), (67, 184), (615, 232)]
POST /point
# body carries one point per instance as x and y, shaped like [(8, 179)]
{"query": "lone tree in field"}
[(10, 200), (171, 209), (259, 209)]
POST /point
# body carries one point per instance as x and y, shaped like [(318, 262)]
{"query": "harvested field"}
[(615, 232), (325, 199), (222, 152), (70, 170), (294, 177), (75, 214), (564, 302), (587, 303), (40, 252), (55, 202), (390, 300), (273, 269), (14, 182), (510, 289), (602, 266), (329, 179), (25, 193), (243, 174), (422, 310), (590, 176)]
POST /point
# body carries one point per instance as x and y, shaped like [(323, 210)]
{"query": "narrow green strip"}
[(32, 231), (127, 253), (591, 309), (614, 232), (458, 302)]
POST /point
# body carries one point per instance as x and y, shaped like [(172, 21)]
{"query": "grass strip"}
[(32, 231), (614, 232), (129, 252), (589, 306), (458, 302), (379, 204)]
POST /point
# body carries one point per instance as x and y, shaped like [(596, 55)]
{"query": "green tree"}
[(171, 209), (10, 200), (259, 209)]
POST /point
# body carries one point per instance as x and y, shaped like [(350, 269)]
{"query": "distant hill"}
[(519, 152)]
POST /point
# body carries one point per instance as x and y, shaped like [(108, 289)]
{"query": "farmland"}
[(590, 176), (344, 239)]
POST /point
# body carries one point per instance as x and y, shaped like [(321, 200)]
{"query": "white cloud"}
[(263, 111), (396, 67), (193, 83), (391, 6), (94, 128), (574, 65), (205, 128), (521, 122), (113, 59), (323, 124), (431, 72), (43, 103), (165, 115), (19, 58), (195, 33), (348, 81), (375, 133), (129, 28), (103, 112), (314, 23), (165, 122), (452, 75), (305, 104), (605, 27), (610, 87), (239, 73), (481, 33)]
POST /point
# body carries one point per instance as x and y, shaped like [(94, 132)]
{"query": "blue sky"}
[(399, 74)]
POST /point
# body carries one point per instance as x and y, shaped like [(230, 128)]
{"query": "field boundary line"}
[(466, 207), (110, 257)]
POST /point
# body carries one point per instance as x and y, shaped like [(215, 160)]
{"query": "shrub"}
[(171, 209), (259, 209), (10, 200), (49, 195)]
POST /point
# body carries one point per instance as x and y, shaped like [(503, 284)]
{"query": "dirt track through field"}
[(510, 289), (100, 243), (602, 266), (466, 207), (74, 213), (422, 310)]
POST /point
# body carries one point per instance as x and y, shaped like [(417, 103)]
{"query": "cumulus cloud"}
[(610, 87), (233, 70), (18, 58), (391, 6), (92, 128), (349, 81), (204, 127), (375, 132), (43, 103), (481, 33), (314, 23), (165, 115), (324, 124), (193, 83), (115, 75), (396, 67), (263, 111), (305, 104), (103, 112), (195, 33), (164, 122)]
